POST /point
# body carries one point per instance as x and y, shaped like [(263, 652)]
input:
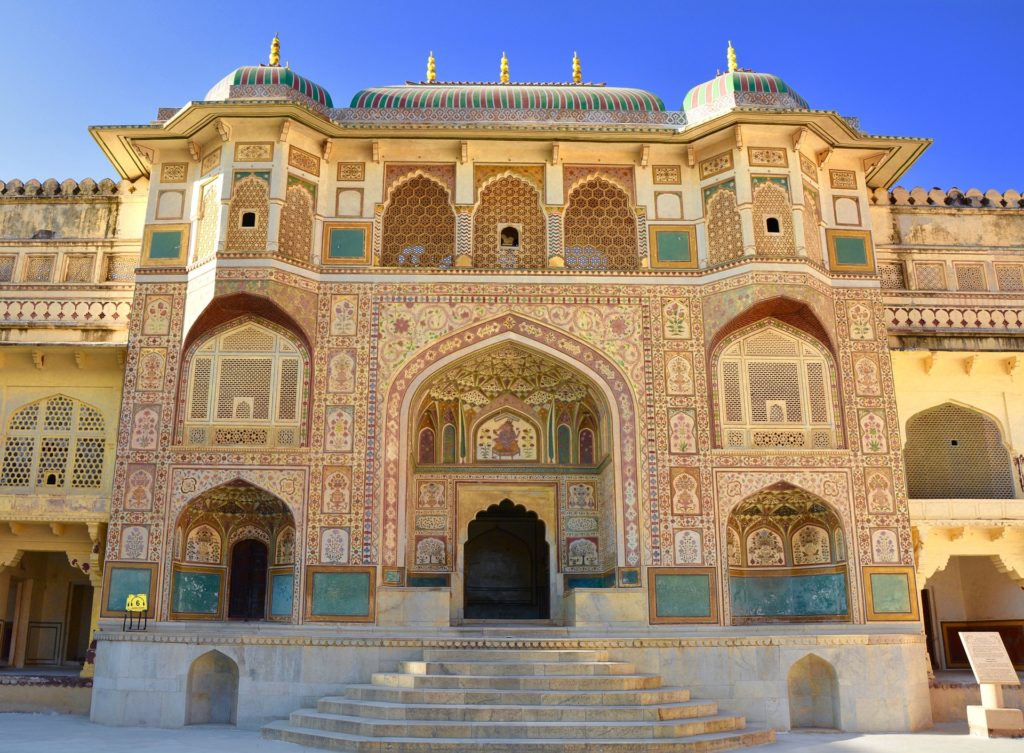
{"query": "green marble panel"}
[(165, 244), (674, 246), (196, 593), (428, 581), (788, 596), (124, 581), (281, 587), (851, 251), (590, 581), (890, 593), (347, 243), (341, 594), (680, 595)]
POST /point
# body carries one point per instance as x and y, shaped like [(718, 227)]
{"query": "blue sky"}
[(940, 69)]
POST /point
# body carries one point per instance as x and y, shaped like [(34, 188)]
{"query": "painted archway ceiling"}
[(237, 500), (509, 369), (784, 507)]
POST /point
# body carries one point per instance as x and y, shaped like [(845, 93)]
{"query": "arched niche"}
[(245, 382), (510, 403), (234, 556), (775, 386), (212, 696), (813, 694), (404, 494), (785, 559), (956, 452)]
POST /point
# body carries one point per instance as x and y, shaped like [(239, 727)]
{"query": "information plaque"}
[(988, 658)]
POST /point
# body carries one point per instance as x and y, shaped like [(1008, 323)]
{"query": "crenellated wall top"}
[(953, 197), (70, 188)]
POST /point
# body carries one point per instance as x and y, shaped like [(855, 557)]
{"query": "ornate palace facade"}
[(335, 385)]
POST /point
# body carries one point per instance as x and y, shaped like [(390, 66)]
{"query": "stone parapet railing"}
[(966, 511), (954, 197), (995, 320), (104, 313), (51, 188)]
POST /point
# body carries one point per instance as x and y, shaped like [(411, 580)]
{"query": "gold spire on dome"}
[(504, 68), (577, 71), (275, 51), (731, 56), (431, 69)]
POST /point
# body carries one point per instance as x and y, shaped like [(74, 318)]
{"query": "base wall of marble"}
[(881, 681)]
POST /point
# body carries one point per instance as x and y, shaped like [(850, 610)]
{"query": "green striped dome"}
[(507, 96), (263, 81), (744, 87)]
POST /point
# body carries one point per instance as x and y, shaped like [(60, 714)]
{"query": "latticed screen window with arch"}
[(58, 443), (954, 452), (775, 391), (245, 387)]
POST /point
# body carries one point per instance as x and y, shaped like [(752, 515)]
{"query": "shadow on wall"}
[(813, 694), (212, 690)]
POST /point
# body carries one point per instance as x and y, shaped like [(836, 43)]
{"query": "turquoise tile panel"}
[(347, 243), (674, 246), (890, 593), (124, 581), (680, 595), (165, 244), (341, 594), (851, 251), (196, 593), (281, 587), (788, 596)]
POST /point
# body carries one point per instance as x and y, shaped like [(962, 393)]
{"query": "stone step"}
[(483, 696), (515, 713), (496, 668), (716, 741), (514, 654), (368, 727), (518, 682)]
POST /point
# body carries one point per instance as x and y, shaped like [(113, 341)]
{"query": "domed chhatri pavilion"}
[(523, 410)]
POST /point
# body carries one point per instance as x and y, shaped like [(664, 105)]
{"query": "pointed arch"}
[(212, 696), (398, 397), (813, 688)]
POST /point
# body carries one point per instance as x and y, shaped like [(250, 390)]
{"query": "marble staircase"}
[(516, 700)]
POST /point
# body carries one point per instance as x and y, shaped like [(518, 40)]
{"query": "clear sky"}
[(950, 71)]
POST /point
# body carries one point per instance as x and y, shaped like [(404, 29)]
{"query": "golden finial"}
[(431, 69), (275, 51), (504, 68), (577, 72), (731, 55)]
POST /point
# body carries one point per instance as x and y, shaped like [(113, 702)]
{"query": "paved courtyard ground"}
[(43, 733)]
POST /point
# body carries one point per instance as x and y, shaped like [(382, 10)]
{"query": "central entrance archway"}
[(506, 565)]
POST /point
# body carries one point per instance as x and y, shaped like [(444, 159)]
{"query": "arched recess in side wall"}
[(954, 451)]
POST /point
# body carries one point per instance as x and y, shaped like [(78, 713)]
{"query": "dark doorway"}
[(506, 560), (248, 581), (79, 617)]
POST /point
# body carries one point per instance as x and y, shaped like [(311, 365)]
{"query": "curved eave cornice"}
[(899, 152)]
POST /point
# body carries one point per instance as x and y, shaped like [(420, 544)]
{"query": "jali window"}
[(776, 390), (57, 443), (245, 387)]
